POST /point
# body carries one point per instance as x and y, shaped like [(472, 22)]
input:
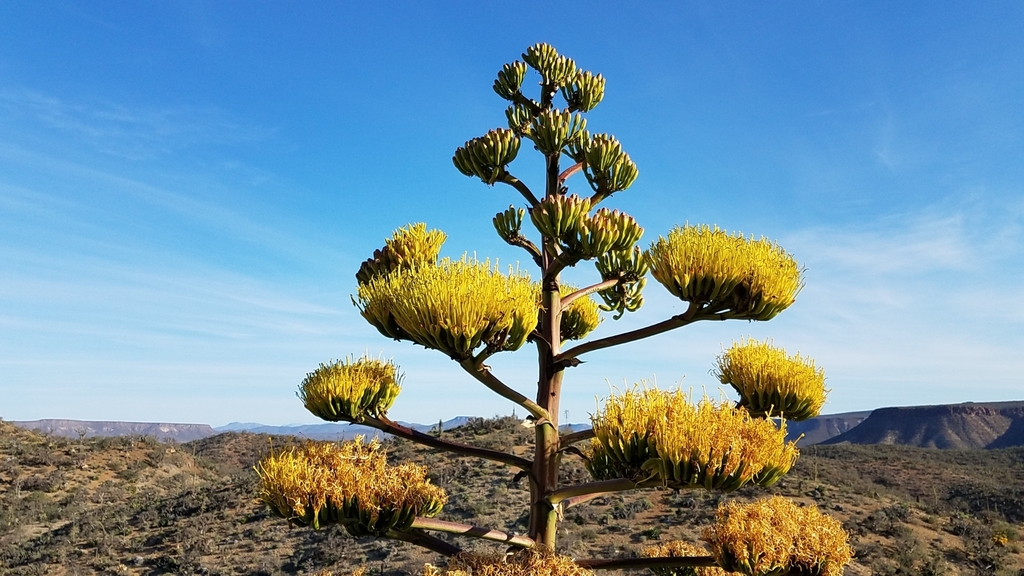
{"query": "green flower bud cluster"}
[(629, 267), (605, 231), (556, 70), (552, 130), (486, 157), (407, 248), (519, 118), (585, 91), (351, 390), (509, 223), (732, 275), (608, 168), (560, 216), (510, 80), (580, 318), (567, 219)]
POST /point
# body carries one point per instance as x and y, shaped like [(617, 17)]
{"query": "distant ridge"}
[(159, 430), (968, 425), (821, 428), (331, 431)]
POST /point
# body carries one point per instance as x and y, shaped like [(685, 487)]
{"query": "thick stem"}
[(666, 562), (385, 425), (472, 531), (543, 517)]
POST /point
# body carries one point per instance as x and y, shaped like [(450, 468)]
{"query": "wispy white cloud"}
[(128, 132)]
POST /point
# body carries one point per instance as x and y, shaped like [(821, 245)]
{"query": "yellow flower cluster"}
[(580, 318), (646, 432), (774, 536), (349, 390), (454, 307), (772, 383), (408, 247), (680, 549), (520, 563), (746, 278), (351, 484)]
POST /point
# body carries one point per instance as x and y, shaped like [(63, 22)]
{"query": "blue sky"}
[(187, 188)]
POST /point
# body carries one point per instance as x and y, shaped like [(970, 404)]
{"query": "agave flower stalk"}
[(471, 310)]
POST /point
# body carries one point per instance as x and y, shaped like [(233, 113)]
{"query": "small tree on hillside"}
[(644, 437)]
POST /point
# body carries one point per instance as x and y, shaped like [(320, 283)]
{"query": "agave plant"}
[(470, 310)]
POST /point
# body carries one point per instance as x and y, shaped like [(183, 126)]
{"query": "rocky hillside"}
[(962, 426), (138, 506)]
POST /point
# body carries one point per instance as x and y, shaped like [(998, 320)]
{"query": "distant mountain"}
[(331, 431), (162, 431), (970, 425), (821, 428)]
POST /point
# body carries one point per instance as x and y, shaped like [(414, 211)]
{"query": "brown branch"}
[(569, 172), (524, 243), (664, 562), (473, 531), (616, 485), (566, 358), (570, 502), (575, 437), (521, 187), (570, 298), (427, 541), (383, 424), (519, 98), (483, 374)]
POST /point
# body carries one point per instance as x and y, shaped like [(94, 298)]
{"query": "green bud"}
[(485, 157), (560, 216), (553, 130), (629, 267), (510, 80), (519, 119), (509, 223), (585, 91), (556, 70)]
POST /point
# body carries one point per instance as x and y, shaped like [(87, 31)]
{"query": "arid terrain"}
[(135, 505)]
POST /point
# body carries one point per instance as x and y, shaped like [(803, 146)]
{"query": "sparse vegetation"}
[(192, 510)]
